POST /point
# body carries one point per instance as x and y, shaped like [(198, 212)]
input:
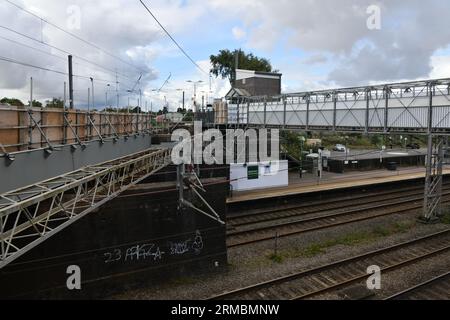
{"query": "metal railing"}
[(396, 107), (25, 128)]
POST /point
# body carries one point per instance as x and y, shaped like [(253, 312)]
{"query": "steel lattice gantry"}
[(30, 215), (387, 108)]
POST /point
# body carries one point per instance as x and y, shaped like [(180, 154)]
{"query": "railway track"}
[(294, 210), (327, 219), (437, 288), (336, 275)]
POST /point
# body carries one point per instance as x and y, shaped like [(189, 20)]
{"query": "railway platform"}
[(332, 181)]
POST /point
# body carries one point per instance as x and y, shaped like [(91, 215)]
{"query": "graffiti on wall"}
[(154, 252)]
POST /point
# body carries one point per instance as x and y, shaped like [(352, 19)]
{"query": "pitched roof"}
[(236, 93)]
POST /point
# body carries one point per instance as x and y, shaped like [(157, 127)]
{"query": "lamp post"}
[(183, 97), (302, 142), (92, 84), (106, 95), (383, 148), (195, 83), (129, 93), (346, 148)]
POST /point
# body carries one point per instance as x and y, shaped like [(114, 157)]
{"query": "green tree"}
[(12, 101), (55, 103), (189, 116), (36, 104), (223, 64)]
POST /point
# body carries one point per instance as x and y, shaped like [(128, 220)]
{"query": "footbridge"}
[(409, 107)]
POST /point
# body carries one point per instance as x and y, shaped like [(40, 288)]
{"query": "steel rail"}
[(432, 284), (317, 207), (433, 250), (325, 219)]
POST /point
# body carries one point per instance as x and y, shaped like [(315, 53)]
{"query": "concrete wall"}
[(271, 175), (134, 241)]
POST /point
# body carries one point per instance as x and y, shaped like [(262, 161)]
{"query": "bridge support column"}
[(432, 207), (265, 112), (335, 100)]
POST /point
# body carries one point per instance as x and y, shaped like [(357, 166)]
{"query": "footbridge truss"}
[(30, 215), (416, 107)]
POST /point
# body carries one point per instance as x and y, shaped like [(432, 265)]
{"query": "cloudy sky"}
[(315, 44)]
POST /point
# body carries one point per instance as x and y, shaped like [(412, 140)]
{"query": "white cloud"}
[(315, 59), (402, 49), (119, 26), (440, 67), (326, 34), (238, 33)]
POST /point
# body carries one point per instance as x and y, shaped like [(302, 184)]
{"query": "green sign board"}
[(253, 172)]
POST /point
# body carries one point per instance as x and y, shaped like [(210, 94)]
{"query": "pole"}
[(195, 97), (183, 100), (31, 92), (236, 66), (301, 158), (65, 111), (117, 91), (65, 98), (30, 126), (92, 85), (70, 83), (428, 178)]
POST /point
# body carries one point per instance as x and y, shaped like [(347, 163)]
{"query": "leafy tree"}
[(37, 104), (136, 110), (115, 110), (189, 116), (181, 110), (55, 103), (12, 101), (224, 63)]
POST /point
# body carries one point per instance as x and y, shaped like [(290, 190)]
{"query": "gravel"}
[(396, 281), (251, 264)]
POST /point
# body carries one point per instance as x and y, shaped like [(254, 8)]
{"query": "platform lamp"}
[(302, 142), (195, 83), (346, 147), (106, 95)]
